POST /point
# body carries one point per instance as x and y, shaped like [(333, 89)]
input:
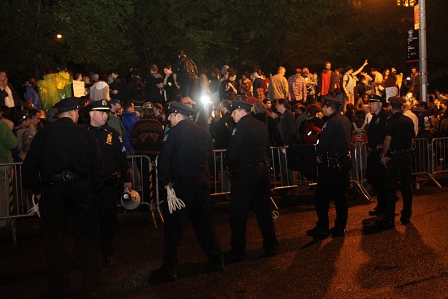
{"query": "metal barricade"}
[(423, 162), (281, 176), (14, 200), (359, 154), (144, 180), (439, 155), (221, 181)]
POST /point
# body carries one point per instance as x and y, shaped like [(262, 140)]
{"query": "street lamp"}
[(59, 36)]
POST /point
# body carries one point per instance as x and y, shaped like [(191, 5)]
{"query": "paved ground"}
[(407, 262)]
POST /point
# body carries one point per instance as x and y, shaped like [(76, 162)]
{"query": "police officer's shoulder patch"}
[(234, 131), (109, 139)]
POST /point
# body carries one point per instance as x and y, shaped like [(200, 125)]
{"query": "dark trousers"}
[(59, 202), (399, 169), (251, 189), (195, 193), (375, 175), (107, 217), (189, 87), (332, 183)]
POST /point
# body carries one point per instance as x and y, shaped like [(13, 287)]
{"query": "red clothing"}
[(325, 85)]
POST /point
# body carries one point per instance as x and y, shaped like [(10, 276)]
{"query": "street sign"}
[(413, 52)]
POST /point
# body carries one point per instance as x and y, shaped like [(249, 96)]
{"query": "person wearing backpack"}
[(185, 75), (311, 127)]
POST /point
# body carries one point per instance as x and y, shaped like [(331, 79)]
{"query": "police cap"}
[(67, 104), (175, 107), (238, 104), (396, 101), (376, 99), (331, 100), (114, 101), (98, 106)]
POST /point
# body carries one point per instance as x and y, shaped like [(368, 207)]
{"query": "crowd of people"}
[(183, 114)]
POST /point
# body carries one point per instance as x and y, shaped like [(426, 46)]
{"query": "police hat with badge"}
[(333, 102), (67, 104), (102, 105), (175, 107), (373, 98), (238, 104), (396, 102)]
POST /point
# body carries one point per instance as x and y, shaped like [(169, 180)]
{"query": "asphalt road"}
[(406, 262)]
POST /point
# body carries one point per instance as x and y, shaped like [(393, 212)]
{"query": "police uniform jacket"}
[(377, 128), (249, 143), (401, 129), (335, 136), (114, 152), (63, 146), (187, 150)]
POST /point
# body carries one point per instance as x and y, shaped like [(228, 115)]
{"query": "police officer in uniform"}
[(183, 165), (333, 157), (116, 167), (396, 158), (64, 170), (375, 170), (246, 160)]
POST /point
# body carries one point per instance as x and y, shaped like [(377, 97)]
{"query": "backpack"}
[(312, 133), (190, 67), (359, 134), (138, 92)]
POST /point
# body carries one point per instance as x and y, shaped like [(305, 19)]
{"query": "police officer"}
[(333, 157), (396, 157), (375, 170), (183, 165), (64, 170), (116, 167), (246, 163)]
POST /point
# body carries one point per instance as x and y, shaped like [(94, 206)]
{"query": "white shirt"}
[(9, 100)]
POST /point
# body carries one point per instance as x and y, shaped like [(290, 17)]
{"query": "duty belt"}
[(65, 176), (401, 151)]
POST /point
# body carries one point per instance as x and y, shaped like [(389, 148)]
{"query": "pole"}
[(422, 49)]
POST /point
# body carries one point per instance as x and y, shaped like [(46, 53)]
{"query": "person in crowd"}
[(297, 87), (5, 120), (311, 117), (170, 91), (350, 112), (115, 169), (129, 118), (32, 92), (9, 99), (227, 88), (260, 113), (299, 113), (117, 85), (190, 180), (257, 84), (159, 113), (375, 172), (185, 74), (152, 89), (64, 169), (8, 141), (377, 81), (396, 157), (114, 119), (215, 76), (311, 84), (333, 157), (246, 163), (349, 82), (408, 112), (224, 126), (415, 84), (100, 90), (146, 138), (278, 86), (23, 134), (327, 81)]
